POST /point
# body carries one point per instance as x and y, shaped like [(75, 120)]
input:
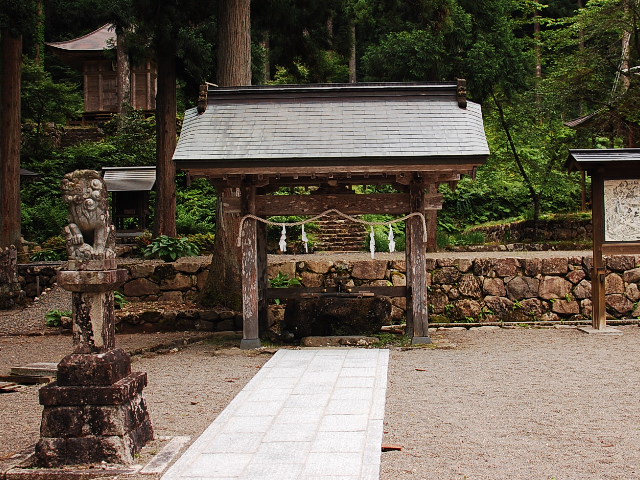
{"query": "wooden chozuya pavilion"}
[(615, 197), (411, 136), (100, 75)]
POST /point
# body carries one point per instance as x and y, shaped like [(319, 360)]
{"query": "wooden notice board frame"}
[(608, 167)]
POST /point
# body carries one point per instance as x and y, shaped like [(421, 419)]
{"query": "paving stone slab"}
[(306, 415)]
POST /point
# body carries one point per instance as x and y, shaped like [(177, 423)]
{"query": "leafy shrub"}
[(294, 234), (43, 219), (119, 299), (195, 207), (204, 241), (170, 248), (143, 240), (381, 233), (282, 280), (445, 239), (53, 318), (46, 256), (53, 249)]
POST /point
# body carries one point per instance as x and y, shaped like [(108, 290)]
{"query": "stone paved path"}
[(306, 415)]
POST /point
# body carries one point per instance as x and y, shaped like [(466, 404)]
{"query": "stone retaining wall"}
[(548, 230), (492, 289), (480, 289)]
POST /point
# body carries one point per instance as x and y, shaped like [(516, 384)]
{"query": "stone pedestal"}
[(11, 293), (95, 411)]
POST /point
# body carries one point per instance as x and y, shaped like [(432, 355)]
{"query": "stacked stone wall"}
[(547, 230), (482, 289)]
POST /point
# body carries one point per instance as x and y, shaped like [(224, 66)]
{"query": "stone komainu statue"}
[(90, 234)]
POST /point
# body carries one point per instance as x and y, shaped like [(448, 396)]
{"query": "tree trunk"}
[(10, 139), (538, 40), (124, 74), (535, 196), (234, 43), (224, 284), (266, 67), (352, 54), (39, 48), (165, 215)]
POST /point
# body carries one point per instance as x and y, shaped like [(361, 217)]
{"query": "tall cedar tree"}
[(167, 28), (234, 69), (16, 19)]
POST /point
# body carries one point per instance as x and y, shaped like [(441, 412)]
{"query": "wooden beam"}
[(351, 204), (621, 248), (296, 292), (286, 170), (599, 317)]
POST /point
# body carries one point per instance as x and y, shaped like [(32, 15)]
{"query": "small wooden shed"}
[(615, 196), (130, 187), (99, 73), (258, 139)]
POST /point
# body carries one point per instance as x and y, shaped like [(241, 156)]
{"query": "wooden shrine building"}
[(99, 73), (615, 198), (330, 137), (129, 188)]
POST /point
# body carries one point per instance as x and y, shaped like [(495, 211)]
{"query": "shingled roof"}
[(98, 40), (610, 160), (332, 126)]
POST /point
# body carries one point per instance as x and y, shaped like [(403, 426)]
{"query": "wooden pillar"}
[(263, 279), (599, 316), (249, 246), (432, 222), (417, 310)]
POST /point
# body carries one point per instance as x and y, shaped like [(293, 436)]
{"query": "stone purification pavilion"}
[(329, 138)]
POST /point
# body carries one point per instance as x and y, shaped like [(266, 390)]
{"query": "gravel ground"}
[(521, 404), (30, 320), (517, 404)]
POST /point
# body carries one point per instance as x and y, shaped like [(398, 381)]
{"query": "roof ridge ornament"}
[(461, 93), (202, 98)]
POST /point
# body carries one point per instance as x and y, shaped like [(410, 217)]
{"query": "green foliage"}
[(297, 73), (282, 280), (134, 137), (53, 249), (294, 234), (196, 208), (170, 249), (406, 56), (45, 103), (381, 233), (53, 318), (459, 239), (43, 218), (204, 241), (119, 299)]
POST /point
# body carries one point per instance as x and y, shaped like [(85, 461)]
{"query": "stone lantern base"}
[(94, 412)]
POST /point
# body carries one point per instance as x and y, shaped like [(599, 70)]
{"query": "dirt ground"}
[(517, 404)]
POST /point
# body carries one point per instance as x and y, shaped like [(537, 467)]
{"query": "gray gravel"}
[(517, 404), (30, 320), (522, 404)]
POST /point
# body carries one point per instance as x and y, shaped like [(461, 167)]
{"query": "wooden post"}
[(417, 311), (263, 278), (249, 246), (432, 222), (599, 316)]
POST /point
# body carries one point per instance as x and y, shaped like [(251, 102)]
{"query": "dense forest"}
[(550, 75)]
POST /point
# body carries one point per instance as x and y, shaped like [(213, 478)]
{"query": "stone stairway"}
[(339, 234)]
